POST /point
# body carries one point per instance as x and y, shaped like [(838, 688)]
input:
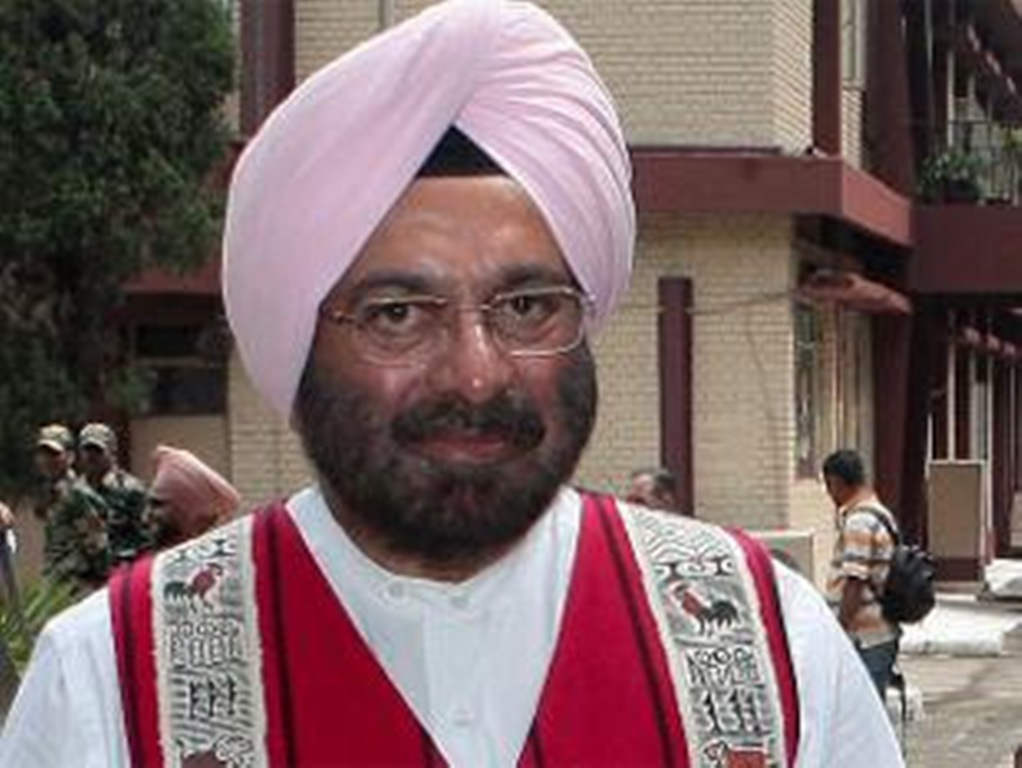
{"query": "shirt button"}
[(396, 590), (459, 602)]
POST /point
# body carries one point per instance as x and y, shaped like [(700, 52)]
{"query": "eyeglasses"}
[(413, 330)]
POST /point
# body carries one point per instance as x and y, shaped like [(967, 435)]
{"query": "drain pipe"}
[(386, 13)]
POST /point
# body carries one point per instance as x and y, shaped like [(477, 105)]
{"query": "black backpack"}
[(908, 593)]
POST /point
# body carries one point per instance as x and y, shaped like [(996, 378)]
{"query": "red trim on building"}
[(674, 337), (673, 181), (827, 76), (967, 249)]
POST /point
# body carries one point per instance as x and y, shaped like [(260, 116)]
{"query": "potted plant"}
[(951, 177)]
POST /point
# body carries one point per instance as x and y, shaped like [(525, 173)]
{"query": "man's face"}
[(838, 490), (94, 461), (644, 491), (51, 464), (458, 454), (160, 518)]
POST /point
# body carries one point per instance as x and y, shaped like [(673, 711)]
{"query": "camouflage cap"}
[(99, 435), (56, 437)]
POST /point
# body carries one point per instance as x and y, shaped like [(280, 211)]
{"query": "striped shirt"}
[(863, 551)]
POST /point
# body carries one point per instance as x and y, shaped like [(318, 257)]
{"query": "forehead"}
[(461, 234)]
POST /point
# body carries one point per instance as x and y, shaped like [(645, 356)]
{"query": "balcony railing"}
[(992, 154)]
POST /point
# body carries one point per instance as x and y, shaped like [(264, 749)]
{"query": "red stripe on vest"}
[(762, 570), (345, 709), (131, 615), (608, 699)]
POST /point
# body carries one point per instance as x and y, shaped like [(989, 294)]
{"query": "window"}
[(188, 375), (853, 42), (855, 384), (807, 389)]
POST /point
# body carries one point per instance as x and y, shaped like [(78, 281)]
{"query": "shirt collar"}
[(861, 497), (349, 570)]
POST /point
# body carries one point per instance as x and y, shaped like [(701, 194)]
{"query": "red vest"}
[(608, 699)]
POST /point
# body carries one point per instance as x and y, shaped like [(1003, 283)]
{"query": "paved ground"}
[(972, 704), (972, 711)]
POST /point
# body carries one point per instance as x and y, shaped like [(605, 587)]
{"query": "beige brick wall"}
[(743, 433), (266, 456), (686, 72), (851, 125), (326, 28), (811, 509), (793, 73)]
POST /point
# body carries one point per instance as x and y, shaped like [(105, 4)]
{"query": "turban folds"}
[(332, 159), (197, 497)]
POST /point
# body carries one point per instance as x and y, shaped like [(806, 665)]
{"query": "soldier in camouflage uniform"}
[(123, 493), (76, 541)]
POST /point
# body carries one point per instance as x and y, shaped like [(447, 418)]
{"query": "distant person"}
[(185, 498), (8, 546), (123, 493), (862, 553), (654, 488), (75, 546)]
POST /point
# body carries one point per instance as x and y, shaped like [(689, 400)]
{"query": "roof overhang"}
[(673, 180), (853, 291)]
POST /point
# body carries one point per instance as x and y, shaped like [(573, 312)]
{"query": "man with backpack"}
[(866, 541)]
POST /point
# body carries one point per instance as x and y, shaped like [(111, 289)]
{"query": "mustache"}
[(512, 418)]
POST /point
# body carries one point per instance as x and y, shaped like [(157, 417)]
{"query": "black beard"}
[(439, 511)]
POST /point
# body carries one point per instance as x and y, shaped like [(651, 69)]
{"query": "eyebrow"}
[(509, 278), (408, 282), (519, 275)]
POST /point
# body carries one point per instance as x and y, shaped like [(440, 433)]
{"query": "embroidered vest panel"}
[(713, 596), (613, 695)]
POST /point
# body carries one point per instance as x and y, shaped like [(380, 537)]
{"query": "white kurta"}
[(470, 659)]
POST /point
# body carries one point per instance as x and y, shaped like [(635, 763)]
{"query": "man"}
[(862, 554), (75, 544), (419, 243), (123, 493), (654, 488), (186, 498)]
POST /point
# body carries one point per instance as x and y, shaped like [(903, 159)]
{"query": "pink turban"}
[(332, 159), (200, 498)]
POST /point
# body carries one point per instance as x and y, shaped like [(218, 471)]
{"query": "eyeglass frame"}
[(340, 318)]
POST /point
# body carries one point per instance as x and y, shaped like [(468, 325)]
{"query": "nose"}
[(472, 365)]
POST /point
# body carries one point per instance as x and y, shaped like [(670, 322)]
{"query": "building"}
[(791, 293)]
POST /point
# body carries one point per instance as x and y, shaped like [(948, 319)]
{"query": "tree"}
[(111, 122)]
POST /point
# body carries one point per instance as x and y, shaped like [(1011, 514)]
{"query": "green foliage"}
[(19, 629), (35, 389), (110, 125), (1011, 143), (952, 176)]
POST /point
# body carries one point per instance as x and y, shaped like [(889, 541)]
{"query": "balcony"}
[(968, 225), (995, 152)]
